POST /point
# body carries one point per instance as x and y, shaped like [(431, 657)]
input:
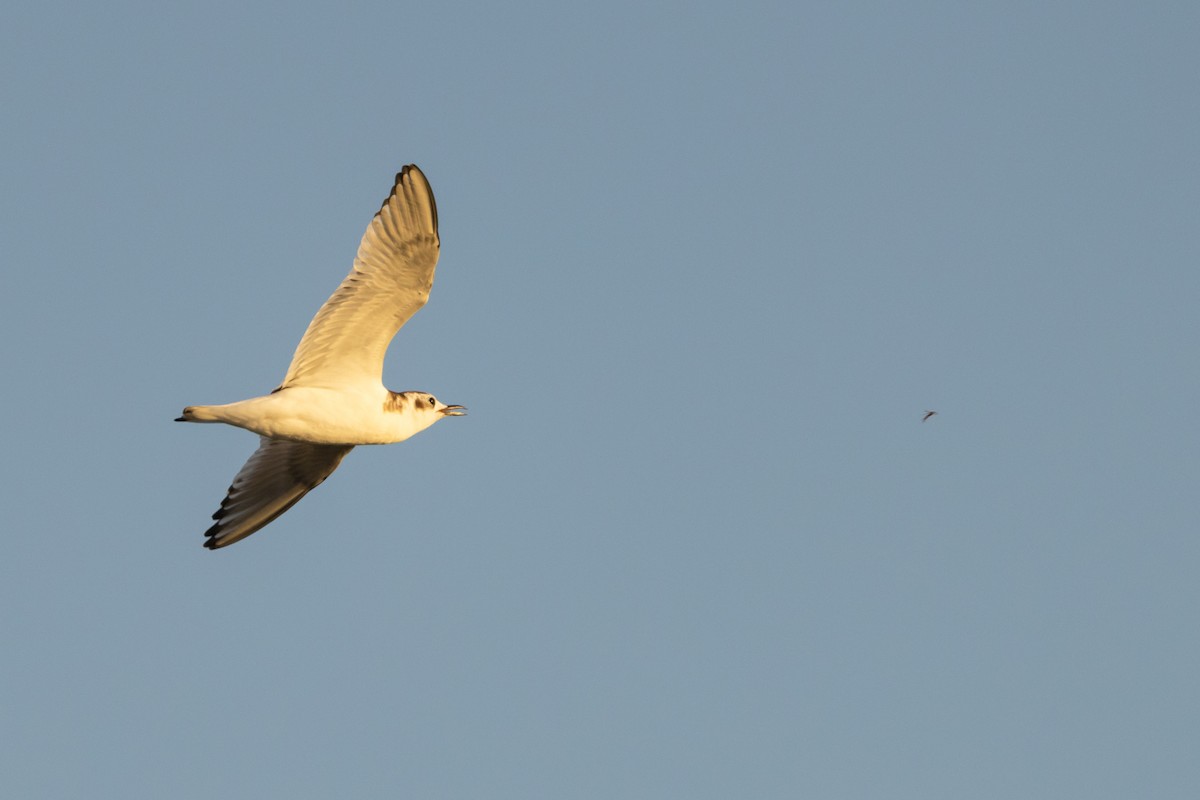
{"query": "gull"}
[(333, 397), (928, 414)]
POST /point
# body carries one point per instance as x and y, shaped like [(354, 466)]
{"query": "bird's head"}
[(423, 408)]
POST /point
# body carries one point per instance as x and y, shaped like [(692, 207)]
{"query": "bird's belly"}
[(318, 416)]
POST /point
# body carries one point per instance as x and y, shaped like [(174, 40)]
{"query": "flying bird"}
[(928, 414), (333, 397)]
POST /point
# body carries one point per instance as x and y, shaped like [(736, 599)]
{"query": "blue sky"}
[(703, 269)]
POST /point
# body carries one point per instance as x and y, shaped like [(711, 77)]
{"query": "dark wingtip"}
[(211, 541), (180, 419)]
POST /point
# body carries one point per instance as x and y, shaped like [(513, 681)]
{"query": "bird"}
[(928, 414), (332, 398)]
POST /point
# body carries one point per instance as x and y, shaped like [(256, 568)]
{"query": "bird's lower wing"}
[(273, 480)]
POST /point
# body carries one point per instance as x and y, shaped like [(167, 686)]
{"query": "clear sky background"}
[(704, 267)]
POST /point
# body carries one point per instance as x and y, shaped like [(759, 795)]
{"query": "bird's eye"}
[(432, 402)]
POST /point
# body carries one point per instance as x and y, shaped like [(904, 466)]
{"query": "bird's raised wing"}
[(274, 479), (390, 281)]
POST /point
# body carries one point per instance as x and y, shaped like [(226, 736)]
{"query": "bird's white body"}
[(332, 398), (351, 415)]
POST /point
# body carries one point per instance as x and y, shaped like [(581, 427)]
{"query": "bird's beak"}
[(455, 411)]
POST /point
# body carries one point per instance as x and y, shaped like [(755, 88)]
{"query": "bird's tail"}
[(199, 414)]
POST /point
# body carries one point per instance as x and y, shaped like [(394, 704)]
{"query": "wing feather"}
[(273, 480), (346, 341)]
